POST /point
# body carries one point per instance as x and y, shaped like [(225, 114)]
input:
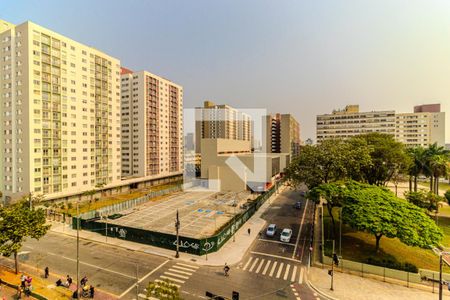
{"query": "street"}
[(269, 270)]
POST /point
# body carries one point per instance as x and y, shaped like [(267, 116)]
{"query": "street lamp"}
[(440, 271), (78, 248)]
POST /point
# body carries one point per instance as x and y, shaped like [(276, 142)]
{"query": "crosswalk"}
[(275, 269)]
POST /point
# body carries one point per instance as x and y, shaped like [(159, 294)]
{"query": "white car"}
[(271, 230), (286, 235)]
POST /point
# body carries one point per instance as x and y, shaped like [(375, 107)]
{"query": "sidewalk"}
[(230, 253), (350, 287)]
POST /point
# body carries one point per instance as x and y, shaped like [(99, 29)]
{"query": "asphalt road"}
[(269, 270)]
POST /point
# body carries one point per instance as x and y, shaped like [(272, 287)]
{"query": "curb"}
[(323, 294)]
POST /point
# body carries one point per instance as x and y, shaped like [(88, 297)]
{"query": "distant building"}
[(350, 122), (215, 121), (423, 127), (189, 144), (152, 125), (282, 134)]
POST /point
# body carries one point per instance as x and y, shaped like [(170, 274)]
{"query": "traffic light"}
[(235, 295), (335, 259), (330, 272)]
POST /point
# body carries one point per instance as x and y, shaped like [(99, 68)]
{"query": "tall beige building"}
[(422, 128), (60, 108), (282, 134), (214, 121), (152, 125)]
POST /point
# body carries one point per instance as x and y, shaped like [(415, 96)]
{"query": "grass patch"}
[(88, 205), (443, 186), (360, 246)]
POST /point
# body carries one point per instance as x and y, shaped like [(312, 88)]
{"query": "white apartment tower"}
[(152, 125), (60, 108)]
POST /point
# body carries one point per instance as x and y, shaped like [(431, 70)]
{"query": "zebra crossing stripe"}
[(253, 265), (248, 262), (172, 279), (182, 268), (300, 280), (266, 267), (260, 266), (188, 266), (273, 269), (294, 272), (286, 274), (180, 272), (280, 269), (176, 275)]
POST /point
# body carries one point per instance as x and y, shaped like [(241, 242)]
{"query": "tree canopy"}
[(17, 222), (163, 289)]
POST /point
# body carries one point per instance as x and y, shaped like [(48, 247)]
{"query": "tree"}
[(388, 157), (447, 196), (437, 164), (163, 289), (418, 161), (17, 222), (378, 212), (429, 201)]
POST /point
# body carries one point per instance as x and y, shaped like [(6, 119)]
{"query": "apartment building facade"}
[(423, 127), (213, 121), (152, 125), (350, 121), (60, 108), (282, 134)]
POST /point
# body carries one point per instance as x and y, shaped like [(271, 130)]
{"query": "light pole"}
[(177, 227), (440, 272), (78, 249)]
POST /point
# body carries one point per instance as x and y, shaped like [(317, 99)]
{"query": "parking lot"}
[(201, 213)]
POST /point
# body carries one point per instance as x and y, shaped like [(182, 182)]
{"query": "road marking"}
[(273, 268), (295, 294), (279, 270), (178, 271), (188, 266), (260, 266), (266, 267), (143, 278), (276, 242), (176, 275), (294, 272), (300, 230), (286, 273), (172, 279), (253, 265), (276, 256), (182, 268), (248, 262), (300, 279), (159, 281)]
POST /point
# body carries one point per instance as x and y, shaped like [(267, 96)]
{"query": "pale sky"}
[(299, 57)]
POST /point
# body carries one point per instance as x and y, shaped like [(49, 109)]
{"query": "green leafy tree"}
[(418, 163), (447, 196), (378, 212), (436, 165), (18, 222), (163, 289), (388, 157)]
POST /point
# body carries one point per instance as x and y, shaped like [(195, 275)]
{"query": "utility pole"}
[(441, 263), (332, 269), (340, 232), (177, 228), (78, 249)]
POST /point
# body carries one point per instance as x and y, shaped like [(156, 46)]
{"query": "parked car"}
[(298, 205), (271, 230), (286, 235)]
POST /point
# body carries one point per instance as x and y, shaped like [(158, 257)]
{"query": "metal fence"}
[(90, 221)]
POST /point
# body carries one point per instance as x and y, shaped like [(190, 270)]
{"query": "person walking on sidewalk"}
[(226, 269), (248, 230), (46, 272)]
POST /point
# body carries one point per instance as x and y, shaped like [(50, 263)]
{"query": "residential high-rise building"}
[(350, 122), (282, 134), (60, 108), (423, 127), (221, 121), (152, 125)]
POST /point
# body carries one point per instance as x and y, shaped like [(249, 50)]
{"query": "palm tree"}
[(418, 157), (436, 165)]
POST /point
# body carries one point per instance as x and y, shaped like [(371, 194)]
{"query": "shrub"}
[(387, 263), (447, 196)]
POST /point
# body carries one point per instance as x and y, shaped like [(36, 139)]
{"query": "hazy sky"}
[(299, 57)]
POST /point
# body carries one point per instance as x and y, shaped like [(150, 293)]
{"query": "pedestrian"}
[(69, 281), (19, 292), (248, 230), (23, 278), (92, 291), (84, 280), (46, 272), (226, 269)]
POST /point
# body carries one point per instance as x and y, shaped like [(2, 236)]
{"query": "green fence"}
[(90, 221)]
